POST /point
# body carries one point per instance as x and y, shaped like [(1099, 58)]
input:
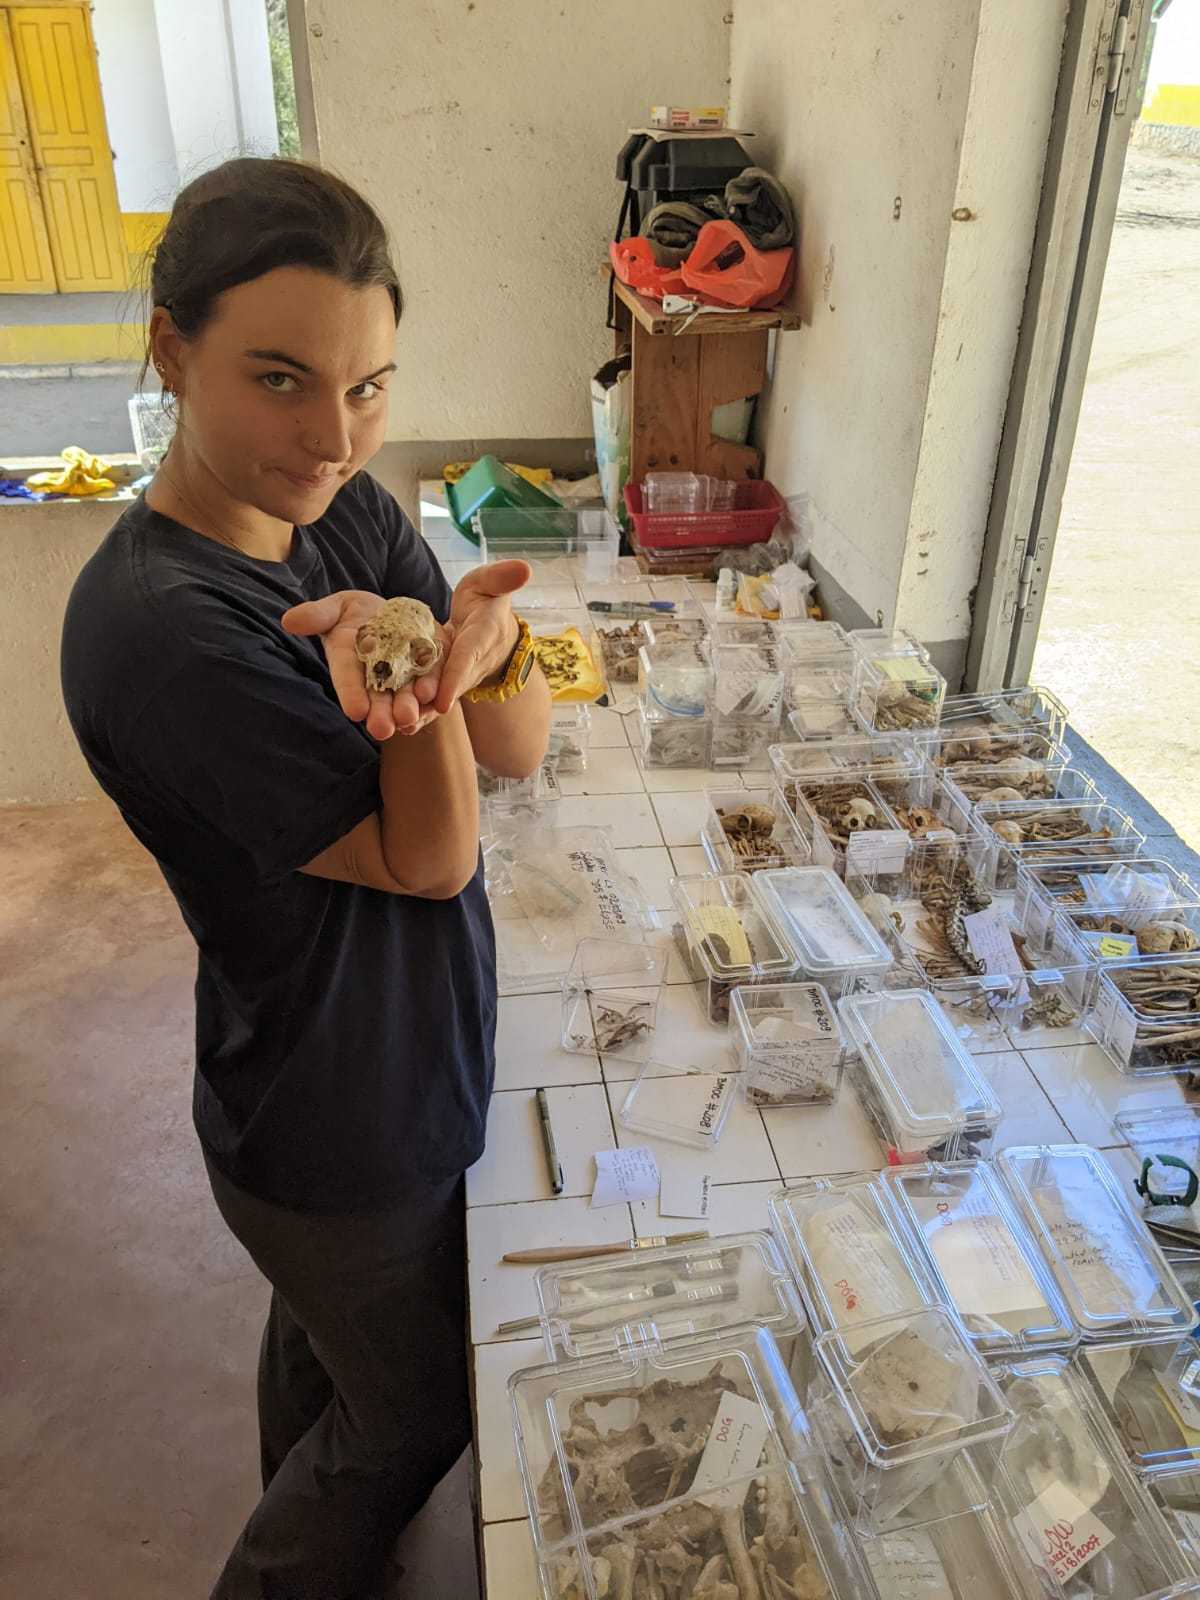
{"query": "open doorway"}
[(1121, 619)]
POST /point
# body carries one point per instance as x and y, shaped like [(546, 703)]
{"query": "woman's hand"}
[(482, 628), (337, 619)]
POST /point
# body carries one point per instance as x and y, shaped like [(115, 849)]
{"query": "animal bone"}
[(858, 814), (1003, 792), (398, 644), (1165, 938), (1008, 831)]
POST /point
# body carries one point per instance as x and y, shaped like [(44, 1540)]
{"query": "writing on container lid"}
[(920, 1068), (821, 918)]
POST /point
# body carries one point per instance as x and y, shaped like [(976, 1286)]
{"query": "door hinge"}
[(1116, 54), (1025, 582)]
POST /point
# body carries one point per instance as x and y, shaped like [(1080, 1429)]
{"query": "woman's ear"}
[(166, 350)]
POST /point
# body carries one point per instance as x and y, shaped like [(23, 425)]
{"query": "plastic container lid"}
[(649, 1296), (983, 1256), (893, 756), (828, 931), (685, 1107), (926, 1082), (1113, 1277), (789, 1044), (849, 1255), (1070, 1495), (668, 1451)]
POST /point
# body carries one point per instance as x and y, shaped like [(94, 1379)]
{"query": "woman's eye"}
[(277, 381), (367, 390)]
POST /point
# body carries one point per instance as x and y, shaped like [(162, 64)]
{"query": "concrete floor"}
[(129, 1316), (1120, 634)]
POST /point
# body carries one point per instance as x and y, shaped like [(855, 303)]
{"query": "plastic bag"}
[(633, 262), (726, 269)]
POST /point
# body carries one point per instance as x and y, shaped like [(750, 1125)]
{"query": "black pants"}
[(362, 1387)]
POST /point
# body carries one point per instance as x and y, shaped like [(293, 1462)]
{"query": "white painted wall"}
[(135, 103), (487, 135), (885, 410)]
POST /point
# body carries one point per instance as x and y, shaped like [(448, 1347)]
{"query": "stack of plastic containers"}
[(675, 697), (897, 688), (747, 703), (726, 938), (818, 664)]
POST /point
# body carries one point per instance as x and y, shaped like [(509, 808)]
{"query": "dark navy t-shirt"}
[(344, 1036)]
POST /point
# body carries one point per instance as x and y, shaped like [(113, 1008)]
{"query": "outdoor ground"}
[(1120, 635)]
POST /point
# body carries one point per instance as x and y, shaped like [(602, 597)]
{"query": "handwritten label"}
[(906, 1566), (858, 1264), (877, 850), (1111, 1273), (989, 934), (714, 1101), (1115, 1022), (1060, 1533), (734, 1446), (975, 1251), (684, 1193), (1111, 946), (625, 1175)]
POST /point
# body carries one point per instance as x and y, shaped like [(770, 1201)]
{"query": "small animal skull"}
[(1007, 830), (919, 820), (1003, 792), (1165, 938), (398, 644), (858, 814)]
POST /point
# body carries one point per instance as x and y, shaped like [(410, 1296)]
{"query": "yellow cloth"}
[(569, 667), (83, 474), (538, 476)]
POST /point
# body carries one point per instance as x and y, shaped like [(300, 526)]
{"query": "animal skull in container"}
[(858, 814), (398, 644)]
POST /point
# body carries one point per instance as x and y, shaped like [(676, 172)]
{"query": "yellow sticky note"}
[(1112, 946), (726, 925)]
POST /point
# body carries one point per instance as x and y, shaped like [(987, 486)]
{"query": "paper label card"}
[(880, 850), (977, 1255), (735, 1444), (1060, 1533), (684, 1194), (906, 1566), (625, 1175)]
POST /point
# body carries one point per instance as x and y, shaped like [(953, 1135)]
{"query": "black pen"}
[(553, 1164)]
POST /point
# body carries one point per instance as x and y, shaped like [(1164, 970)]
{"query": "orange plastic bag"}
[(725, 269), (633, 262)]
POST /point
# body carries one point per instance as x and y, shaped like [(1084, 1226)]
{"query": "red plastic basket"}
[(758, 506)]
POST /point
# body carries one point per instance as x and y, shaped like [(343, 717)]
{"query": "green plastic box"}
[(490, 483)]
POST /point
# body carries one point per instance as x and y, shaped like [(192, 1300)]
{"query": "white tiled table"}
[(1055, 1092)]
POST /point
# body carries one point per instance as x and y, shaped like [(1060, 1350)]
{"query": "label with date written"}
[(1060, 1533)]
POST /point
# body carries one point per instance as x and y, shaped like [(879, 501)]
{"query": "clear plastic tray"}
[(1147, 1013), (1023, 778), (893, 1404), (748, 830), (667, 741), (986, 1261), (570, 738), (610, 998), (897, 692), (648, 1296), (1003, 711), (1017, 829), (918, 1084), (1073, 1501), (687, 1107), (748, 683), (788, 1045), (1113, 1277), (831, 937), (1135, 889), (676, 679), (849, 1252), (625, 1452)]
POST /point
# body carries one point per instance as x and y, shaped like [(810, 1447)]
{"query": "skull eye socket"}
[(367, 642), (423, 653)]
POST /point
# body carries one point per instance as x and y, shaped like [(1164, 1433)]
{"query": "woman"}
[(330, 872)]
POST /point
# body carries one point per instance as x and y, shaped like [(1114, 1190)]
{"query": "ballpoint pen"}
[(553, 1164)]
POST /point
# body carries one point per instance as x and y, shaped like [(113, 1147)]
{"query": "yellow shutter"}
[(25, 264), (56, 63)]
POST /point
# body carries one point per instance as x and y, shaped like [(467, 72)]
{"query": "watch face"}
[(525, 669)]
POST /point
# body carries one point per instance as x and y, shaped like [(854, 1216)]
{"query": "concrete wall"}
[(884, 414), (135, 103), (214, 90), (487, 135)]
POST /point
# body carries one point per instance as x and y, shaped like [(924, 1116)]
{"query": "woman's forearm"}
[(510, 738), (429, 815)]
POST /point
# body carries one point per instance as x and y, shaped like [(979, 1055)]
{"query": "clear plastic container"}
[(832, 810), (1155, 1131), (1071, 1498), (801, 637), (649, 1296), (727, 628), (726, 938), (560, 544), (818, 720), (897, 692), (671, 630), (890, 756), (787, 1044), (923, 804), (1017, 829), (748, 684), (1134, 890), (972, 1556), (531, 795), (737, 742), (1023, 778), (667, 741), (676, 679), (1146, 1014), (1156, 1419), (918, 1084), (1114, 1278), (747, 830), (570, 738), (702, 1439), (832, 938), (985, 1260), (683, 1106), (849, 1252), (1004, 711), (610, 998), (618, 639), (1104, 936), (951, 749), (688, 492), (893, 1405)]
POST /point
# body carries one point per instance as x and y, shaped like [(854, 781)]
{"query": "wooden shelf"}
[(650, 315)]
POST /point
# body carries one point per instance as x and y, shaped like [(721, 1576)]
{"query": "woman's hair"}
[(253, 214)]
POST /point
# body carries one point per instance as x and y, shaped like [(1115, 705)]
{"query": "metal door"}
[(1100, 90)]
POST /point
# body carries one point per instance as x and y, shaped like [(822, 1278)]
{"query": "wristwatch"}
[(515, 675)]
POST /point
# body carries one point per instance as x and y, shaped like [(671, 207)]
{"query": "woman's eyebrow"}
[(302, 366)]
